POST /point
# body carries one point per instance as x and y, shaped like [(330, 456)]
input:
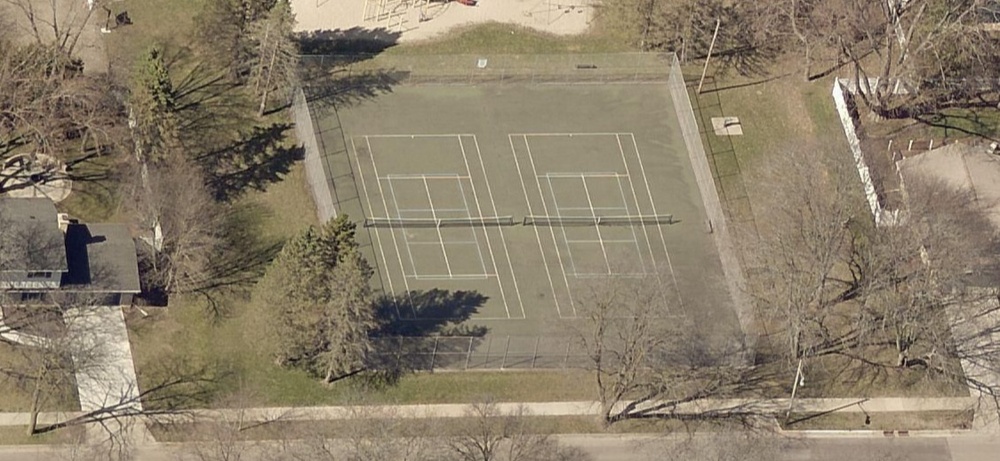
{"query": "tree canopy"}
[(316, 298)]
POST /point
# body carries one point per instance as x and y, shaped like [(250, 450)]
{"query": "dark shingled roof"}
[(102, 258), (30, 239)]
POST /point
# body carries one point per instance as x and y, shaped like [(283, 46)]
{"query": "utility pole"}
[(718, 22)]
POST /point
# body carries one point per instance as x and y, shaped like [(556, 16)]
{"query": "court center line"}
[(468, 214), (545, 207), (395, 242), (424, 176), (596, 174), (489, 245), (635, 237), (444, 250), (406, 239), (659, 227), (449, 242), (569, 135), (538, 237), (604, 250), (638, 209), (503, 238), (378, 237), (583, 208), (427, 210), (483, 276), (599, 241), (569, 249), (447, 135)]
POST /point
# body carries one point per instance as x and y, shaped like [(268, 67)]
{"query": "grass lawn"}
[(17, 398), (499, 38), (431, 427), (892, 421)]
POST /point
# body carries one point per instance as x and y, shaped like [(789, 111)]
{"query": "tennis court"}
[(525, 194)]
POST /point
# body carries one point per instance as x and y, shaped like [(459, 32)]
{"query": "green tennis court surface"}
[(524, 194)]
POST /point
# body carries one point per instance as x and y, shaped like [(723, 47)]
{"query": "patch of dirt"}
[(412, 20)]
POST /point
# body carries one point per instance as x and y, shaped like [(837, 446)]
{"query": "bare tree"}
[(181, 223), (48, 108), (495, 435), (802, 262), (51, 22), (275, 54), (906, 54), (647, 361)]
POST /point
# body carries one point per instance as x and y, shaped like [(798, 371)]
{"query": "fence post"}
[(468, 355), (489, 346), (434, 352), (506, 349), (534, 356)]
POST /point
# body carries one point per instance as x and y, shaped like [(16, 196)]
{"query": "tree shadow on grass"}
[(424, 330), (260, 157)]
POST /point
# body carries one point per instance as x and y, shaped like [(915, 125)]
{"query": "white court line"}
[(545, 207), (659, 227), (479, 250), (635, 238), (596, 174), (423, 176), (598, 275), (583, 208), (452, 277), (430, 201), (538, 237), (450, 242), (489, 245), (586, 190), (406, 240), (426, 210), (555, 202), (638, 209), (599, 241), (503, 239), (447, 135), (378, 237), (570, 135)]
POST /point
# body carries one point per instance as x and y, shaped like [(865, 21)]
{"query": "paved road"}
[(648, 448)]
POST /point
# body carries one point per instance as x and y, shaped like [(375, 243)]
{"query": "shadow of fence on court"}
[(457, 353), (465, 69)]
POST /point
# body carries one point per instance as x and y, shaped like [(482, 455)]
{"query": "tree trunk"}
[(36, 396), (267, 83)]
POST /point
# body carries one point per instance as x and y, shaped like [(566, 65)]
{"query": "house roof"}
[(101, 258), (30, 239)]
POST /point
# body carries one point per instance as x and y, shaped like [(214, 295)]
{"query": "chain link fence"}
[(508, 68), (491, 352)]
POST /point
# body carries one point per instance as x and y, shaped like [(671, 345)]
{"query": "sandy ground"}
[(418, 19)]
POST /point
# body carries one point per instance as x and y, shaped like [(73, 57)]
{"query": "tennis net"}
[(637, 220), (486, 221)]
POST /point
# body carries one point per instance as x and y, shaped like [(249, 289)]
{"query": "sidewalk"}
[(583, 408)]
